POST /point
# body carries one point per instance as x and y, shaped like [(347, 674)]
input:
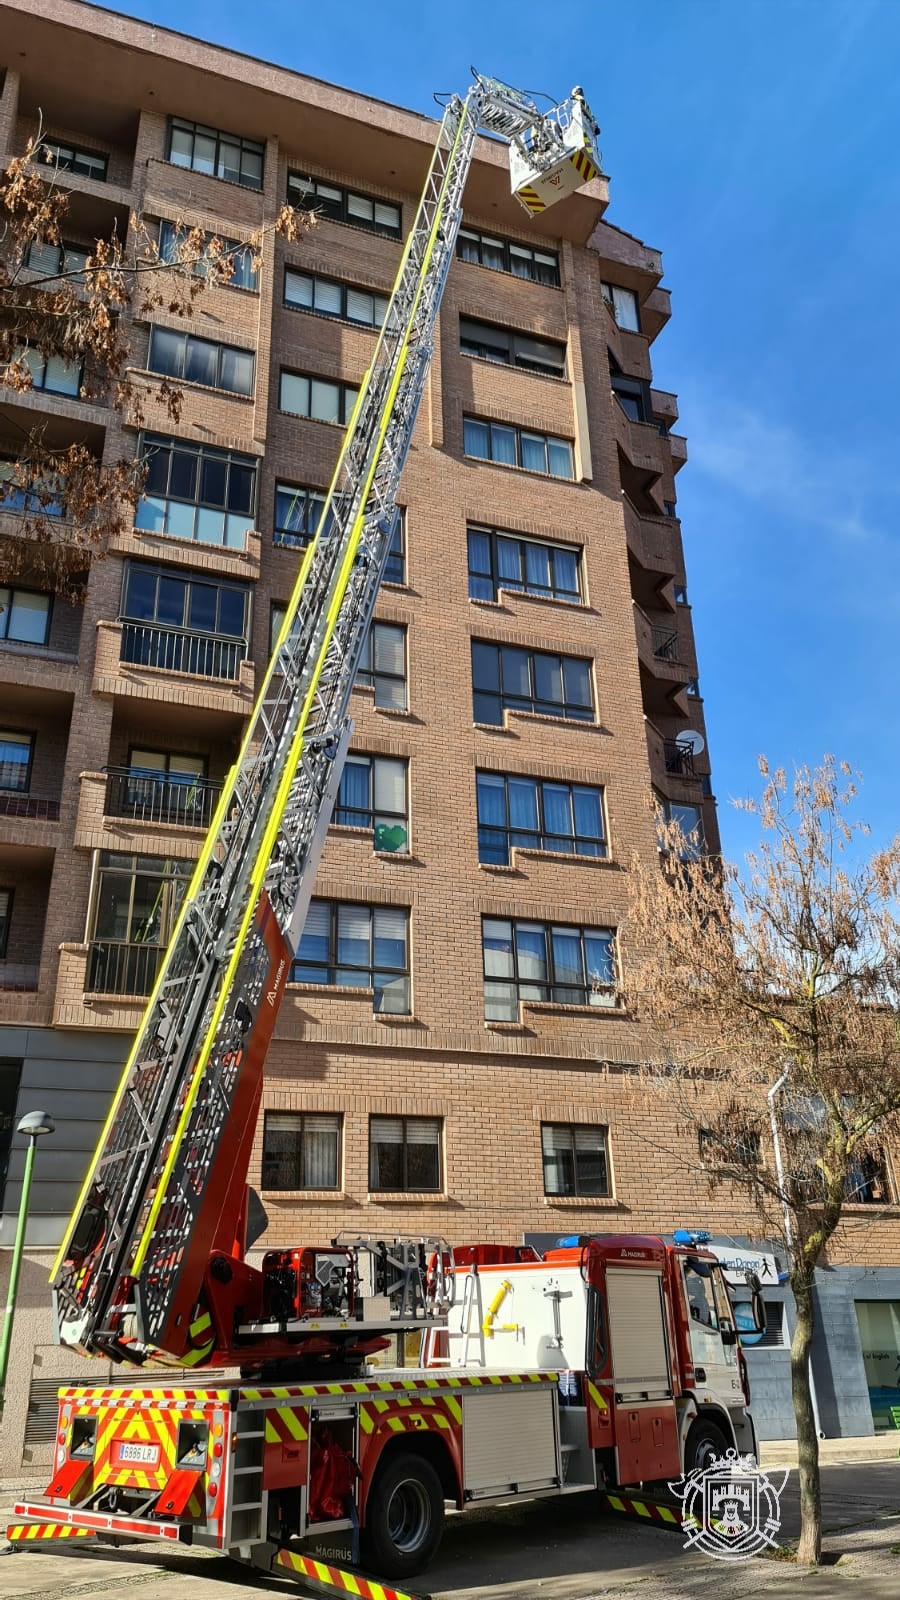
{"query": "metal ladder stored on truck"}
[(167, 1184)]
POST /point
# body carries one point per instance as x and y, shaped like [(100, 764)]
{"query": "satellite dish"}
[(694, 741)]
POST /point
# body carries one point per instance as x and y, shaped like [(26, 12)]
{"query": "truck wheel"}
[(705, 1439), (404, 1517)]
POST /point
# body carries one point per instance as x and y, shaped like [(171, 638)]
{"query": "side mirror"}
[(759, 1310)]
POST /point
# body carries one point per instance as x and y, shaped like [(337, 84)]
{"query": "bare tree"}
[(772, 992), (79, 315)]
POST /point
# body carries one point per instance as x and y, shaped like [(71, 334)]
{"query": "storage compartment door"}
[(638, 1334), (509, 1440)]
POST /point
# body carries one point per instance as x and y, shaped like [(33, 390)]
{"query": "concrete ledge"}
[(870, 1447)]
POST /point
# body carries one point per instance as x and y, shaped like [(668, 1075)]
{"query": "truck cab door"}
[(714, 1340)]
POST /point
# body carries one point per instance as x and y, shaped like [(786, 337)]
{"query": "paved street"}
[(549, 1550)]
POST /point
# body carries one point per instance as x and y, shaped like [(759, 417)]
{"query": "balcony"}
[(120, 969), (152, 799), (664, 655), (200, 655), (174, 665), (29, 805), (665, 643), (678, 757)]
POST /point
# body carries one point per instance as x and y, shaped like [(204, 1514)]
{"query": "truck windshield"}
[(701, 1297)]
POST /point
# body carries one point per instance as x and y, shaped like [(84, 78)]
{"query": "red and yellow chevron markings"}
[(583, 165), (19, 1532), (336, 1579), (287, 1424), (531, 199), (643, 1510)]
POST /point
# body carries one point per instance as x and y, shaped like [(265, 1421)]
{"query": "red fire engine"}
[(607, 1362)]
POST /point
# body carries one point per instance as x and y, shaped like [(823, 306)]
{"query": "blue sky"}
[(755, 144)]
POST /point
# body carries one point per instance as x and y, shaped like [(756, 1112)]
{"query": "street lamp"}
[(33, 1125)]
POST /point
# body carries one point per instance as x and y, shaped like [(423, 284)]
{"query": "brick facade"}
[(492, 1084)]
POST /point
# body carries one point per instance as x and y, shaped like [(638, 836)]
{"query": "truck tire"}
[(705, 1439), (404, 1517)]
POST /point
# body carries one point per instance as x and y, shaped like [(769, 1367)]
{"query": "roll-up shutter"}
[(638, 1333)]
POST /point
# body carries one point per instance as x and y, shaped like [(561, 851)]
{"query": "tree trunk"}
[(810, 1546)]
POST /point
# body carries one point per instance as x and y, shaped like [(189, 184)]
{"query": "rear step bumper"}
[(101, 1522)]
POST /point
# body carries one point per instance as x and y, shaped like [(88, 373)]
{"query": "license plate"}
[(146, 1454)]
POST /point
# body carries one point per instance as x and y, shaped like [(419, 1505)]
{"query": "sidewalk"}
[(869, 1447)]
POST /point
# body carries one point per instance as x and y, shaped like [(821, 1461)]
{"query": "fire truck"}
[(304, 1442)]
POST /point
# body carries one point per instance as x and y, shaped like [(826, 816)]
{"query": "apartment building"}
[(454, 1054)]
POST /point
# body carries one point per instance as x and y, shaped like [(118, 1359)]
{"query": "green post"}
[(32, 1125)]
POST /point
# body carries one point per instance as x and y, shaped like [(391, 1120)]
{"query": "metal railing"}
[(29, 805), (127, 969), (180, 800), (665, 644), (679, 757), (202, 655)]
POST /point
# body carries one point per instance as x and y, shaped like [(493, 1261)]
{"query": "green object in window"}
[(390, 838)]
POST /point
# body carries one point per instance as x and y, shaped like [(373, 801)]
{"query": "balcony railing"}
[(679, 757), (203, 655), (29, 805), (127, 969), (665, 644), (142, 796)]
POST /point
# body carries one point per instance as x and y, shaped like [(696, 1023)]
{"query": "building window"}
[(507, 678), (575, 1159), (500, 560), (221, 155), (202, 361), (742, 1148), (670, 508), (373, 795), (6, 905), (51, 373), (624, 306), (57, 260), (244, 267), (541, 266), (162, 786), (24, 615), (357, 947), (395, 570), (277, 614), (692, 688), (16, 752), (327, 297), (21, 490), (195, 492), (71, 158), (383, 665), (690, 821), (405, 1154), (183, 624), (298, 512), (317, 398), (681, 594), (301, 1150), (632, 394), (537, 814), (548, 962), (343, 205), (512, 349), (136, 903), (518, 447)]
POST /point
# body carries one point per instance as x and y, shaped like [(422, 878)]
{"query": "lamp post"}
[(788, 1223), (33, 1125)]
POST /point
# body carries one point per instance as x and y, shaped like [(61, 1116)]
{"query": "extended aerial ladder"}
[(151, 1266)]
